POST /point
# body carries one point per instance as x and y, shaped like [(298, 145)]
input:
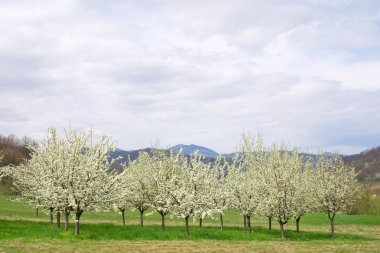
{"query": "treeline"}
[(71, 175), (367, 164), (13, 151)]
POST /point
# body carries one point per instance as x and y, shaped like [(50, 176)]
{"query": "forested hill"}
[(367, 164)]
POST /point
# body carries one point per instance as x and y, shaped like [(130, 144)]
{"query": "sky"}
[(194, 72)]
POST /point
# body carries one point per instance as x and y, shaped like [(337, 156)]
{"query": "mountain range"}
[(366, 163)]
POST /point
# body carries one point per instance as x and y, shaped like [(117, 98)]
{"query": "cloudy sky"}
[(202, 72)]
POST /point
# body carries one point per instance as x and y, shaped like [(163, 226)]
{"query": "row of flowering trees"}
[(73, 175)]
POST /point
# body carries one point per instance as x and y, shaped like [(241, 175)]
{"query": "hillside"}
[(367, 164)]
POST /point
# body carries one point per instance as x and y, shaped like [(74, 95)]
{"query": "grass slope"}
[(22, 231)]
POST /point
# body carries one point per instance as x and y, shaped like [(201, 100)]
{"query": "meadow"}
[(22, 231)]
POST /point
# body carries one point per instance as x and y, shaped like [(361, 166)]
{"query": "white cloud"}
[(193, 72)]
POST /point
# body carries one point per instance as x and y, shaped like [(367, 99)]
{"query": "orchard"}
[(73, 174)]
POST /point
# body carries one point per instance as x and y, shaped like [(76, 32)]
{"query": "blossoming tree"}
[(139, 184), (165, 167), (280, 185), (70, 173), (190, 195), (334, 187)]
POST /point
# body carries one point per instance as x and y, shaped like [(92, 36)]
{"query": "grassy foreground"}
[(183, 246), (22, 231)]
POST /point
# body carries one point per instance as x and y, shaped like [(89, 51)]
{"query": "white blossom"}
[(219, 190), (190, 193), (334, 187), (137, 191), (164, 173), (70, 173)]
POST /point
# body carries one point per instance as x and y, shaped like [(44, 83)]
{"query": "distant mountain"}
[(191, 149), (124, 156), (367, 163)]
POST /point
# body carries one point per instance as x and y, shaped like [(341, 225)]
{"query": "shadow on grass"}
[(42, 230)]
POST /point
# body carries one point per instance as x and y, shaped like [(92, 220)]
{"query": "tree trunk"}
[(332, 229), (37, 212), (245, 220), (221, 222), (123, 215), (77, 218), (141, 218), (270, 223), (163, 221), (298, 223), (187, 225), (51, 215), (200, 222), (58, 218), (331, 217), (282, 230), (249, 223), (67, 213)]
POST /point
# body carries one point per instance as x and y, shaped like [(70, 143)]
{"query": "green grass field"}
[(22, 231)]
